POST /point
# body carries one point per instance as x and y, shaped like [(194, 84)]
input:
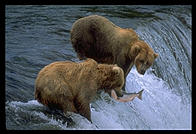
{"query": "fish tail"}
[(113, 94), (140, 94)]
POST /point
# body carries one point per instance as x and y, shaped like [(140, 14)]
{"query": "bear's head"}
[(143, 56), (118, 80), (110, 77)]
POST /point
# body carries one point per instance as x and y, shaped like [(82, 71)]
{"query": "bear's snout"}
[(142, 72)]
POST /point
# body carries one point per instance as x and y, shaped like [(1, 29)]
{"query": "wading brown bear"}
[(71, 86), (98, 38)]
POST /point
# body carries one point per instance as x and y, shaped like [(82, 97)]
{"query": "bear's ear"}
[(156, 55), (116, 70), (91, 61)]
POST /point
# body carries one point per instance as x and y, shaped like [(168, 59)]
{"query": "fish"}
[(127, 96)]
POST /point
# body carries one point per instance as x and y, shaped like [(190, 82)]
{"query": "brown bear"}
[(71, 86), (98, 38)]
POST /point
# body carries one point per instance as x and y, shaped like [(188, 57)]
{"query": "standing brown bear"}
[(98, 38), (71, 86)]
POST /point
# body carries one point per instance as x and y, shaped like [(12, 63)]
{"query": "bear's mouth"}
[(142, 72)]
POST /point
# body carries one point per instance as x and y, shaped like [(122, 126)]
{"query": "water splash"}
[(157, 110)]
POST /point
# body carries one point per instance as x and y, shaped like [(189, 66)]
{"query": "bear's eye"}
[(142, 61), (118, 85)]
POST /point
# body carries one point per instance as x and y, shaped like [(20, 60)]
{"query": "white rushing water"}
[(158, 109)]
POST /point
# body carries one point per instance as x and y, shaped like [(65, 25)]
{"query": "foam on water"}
[(159, 109)]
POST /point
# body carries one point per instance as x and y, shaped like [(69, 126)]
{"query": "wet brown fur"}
[(71, 86), (98, 38)]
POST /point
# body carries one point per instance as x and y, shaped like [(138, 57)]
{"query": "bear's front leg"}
[(83, 107), (121, 62), (68, 105)]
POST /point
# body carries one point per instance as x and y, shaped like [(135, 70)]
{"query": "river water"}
[(39, 35)]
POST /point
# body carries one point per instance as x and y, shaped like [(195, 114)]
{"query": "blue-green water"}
[(39, 35)]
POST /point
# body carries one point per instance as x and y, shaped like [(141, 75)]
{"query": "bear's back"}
[(66, 71), (55, 71)]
